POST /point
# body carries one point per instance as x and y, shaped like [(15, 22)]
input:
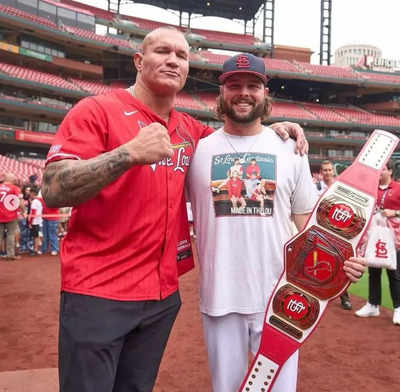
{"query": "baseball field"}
[(345, 354)]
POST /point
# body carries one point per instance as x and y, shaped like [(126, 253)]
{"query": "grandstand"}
[(51, 55)]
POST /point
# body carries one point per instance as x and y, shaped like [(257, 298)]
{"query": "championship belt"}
[(184, 252), (313, 269)]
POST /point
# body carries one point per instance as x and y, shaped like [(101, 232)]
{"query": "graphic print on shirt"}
[(243, 184), (10, 202), (183, 146), (8, 199)]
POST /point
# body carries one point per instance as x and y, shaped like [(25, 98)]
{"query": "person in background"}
[(35, 220), (33, 181), (10, 203), (388, 203), (50, 229), (120, 160), (328, 178), (25, 238), (240, 255)]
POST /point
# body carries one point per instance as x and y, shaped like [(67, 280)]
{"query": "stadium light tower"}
[(268, 24), (325, 33), (113, 6)]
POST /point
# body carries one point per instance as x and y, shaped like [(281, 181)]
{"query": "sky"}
[(297, 23)]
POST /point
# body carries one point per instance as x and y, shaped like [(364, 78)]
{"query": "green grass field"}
[(361, 289)]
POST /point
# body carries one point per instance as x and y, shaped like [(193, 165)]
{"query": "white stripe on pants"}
[(229, 339)]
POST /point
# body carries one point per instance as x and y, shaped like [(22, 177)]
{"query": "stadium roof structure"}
[(229, 9)]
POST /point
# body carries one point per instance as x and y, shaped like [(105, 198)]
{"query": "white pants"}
[(229, 339)]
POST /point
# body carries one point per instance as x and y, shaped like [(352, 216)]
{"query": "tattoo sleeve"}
[(71, 182)]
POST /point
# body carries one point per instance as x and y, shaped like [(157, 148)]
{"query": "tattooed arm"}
[(70, 182)]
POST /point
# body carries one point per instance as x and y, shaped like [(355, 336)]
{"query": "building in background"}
[(349, 55), (365, 57)]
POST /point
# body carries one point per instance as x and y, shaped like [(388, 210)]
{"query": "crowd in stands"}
[(30, 227)]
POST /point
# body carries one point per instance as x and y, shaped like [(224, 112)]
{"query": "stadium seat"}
[(29, 17), (213, 58), (327, 70), (90, 35), (324, 113), (281, 65), (186, 101), (36, 76), (380, 77), (21, 169), (92, 87), (290, 110)]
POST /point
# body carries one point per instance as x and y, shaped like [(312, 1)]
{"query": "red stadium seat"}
[(223, 37), (208, 99), (380, 77), (30, 17), (90, 35), (186, 101), (92, 87), (213, 58), (21, 169), (290, 110), (280, 65), (327, 71), (36, 76), (324, 113)]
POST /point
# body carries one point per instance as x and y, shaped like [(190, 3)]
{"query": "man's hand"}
[(288, 129), (354, 268), (70, 182), (152, 144)]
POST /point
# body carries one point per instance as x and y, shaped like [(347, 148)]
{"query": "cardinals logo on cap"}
[(242, 61)]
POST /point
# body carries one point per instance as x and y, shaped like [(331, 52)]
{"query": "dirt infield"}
[(345, 353)]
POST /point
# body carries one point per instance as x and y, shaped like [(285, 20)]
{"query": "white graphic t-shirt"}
[(242, 221)]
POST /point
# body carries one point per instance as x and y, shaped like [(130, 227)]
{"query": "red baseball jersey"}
[(122, 243), (390, 196), (50, 214), (234, 187), (35, 214), (253, 170), (10, 196)]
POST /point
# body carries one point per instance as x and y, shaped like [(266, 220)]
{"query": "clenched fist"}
[(152, 144)]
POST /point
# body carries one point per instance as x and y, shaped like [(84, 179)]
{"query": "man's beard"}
[(256, 112)]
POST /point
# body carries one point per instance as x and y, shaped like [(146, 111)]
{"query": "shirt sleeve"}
[(206, 131), (35, 210), (82, 133), (304, 196)]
